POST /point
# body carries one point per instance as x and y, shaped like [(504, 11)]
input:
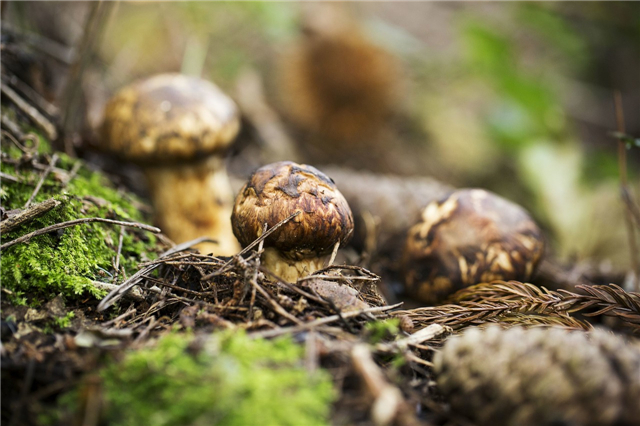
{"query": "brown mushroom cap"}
[(169, 118), (276, 191), (471, 236)]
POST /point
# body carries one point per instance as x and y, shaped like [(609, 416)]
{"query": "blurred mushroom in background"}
[(338, 86), (178, 129), (471, 236)]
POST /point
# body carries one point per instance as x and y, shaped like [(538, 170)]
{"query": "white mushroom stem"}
[(192, 201), (288, 269)]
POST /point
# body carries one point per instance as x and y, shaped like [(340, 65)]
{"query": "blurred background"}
[(514, 97)]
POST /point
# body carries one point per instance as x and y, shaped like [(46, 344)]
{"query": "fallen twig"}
[(93, 30), (75, 222), (38, 119), (133, 295), (27, 91), (276, 307), (28, 215), (52, 164), (245, 250), (123, 288), (321, 321), (251, 98), (116, 266), (625, 193), (420, 336), (388, 402), (12, 178), (16, 136)]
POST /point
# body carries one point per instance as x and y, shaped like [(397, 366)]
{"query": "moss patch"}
[(229, 380), (66, 261)]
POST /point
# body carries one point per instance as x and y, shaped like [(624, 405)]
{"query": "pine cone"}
[(541, 376)]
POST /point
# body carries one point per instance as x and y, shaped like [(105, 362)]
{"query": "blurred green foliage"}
[(227, 379), (232, 36), (378, 331), (527, 109)]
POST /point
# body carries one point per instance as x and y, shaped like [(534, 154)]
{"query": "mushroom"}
[(469, 237), (338, 83), (177, 128), (301, 246)]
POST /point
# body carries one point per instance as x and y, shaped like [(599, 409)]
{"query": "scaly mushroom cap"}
[(276, 191), (471, 236), (169, 118)]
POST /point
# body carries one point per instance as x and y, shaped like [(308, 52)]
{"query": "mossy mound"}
[(66, 261), (223, 379)]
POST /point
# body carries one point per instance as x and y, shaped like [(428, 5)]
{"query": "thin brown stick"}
[(277, 143), (388, 405), (11, 178), (256, 242), (128, 313), (292, 287), (93, 30), (128, 284), (349, 268), (321, 321), (9, 127), (36, 117), (52, 163), (420, 336), (116, 266), (269, 232), (28, 215), (75, 222), (182, 289), (334, 253), (275, 305), (42, 44), (72, 173), (633, 208), (14, 133), (136, 296), (624, 189), (28, 92), (152, 323)]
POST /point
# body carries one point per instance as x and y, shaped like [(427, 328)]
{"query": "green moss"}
[(66, 261), (232, 380), (61, 323), (378, 331)]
